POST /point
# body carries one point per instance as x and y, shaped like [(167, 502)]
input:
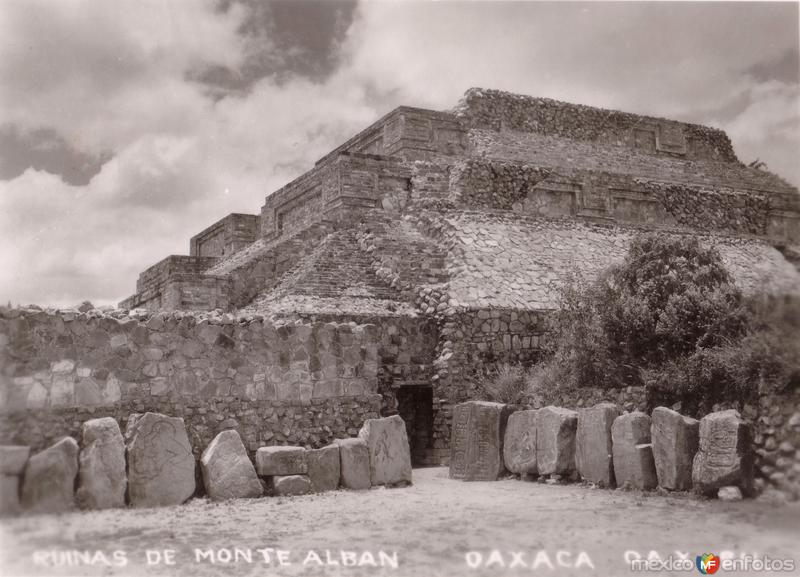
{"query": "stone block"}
[(476, 446), (593, 452), (227, 470), (13, 459), (161, 467), (555, 441), (102, 479), (634, 466), (281, 461), (281, 485), (675, 440), (9, 495), (725, 454), (49, 478), (354, 463), (519, 446), (389, 451), (324, 468)]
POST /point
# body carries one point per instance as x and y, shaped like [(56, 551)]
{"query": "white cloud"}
[(116, 75)]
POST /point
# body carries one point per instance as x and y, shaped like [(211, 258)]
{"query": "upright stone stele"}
[(725, 454), (389, 451), (519, 446), (354, 463), (102, 479), (49, 478), (675, 441), (324, 468), (593, 452), (476, 446), (161, 466), (634, 466), (555, 441), (227, 470)]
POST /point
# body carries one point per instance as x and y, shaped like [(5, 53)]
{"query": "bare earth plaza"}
[(515, 336)]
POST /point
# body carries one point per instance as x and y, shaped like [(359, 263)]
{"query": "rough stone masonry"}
[(404, 264)]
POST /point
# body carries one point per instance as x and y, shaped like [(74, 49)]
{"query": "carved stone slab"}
[(633, 454), (725, 455), (102, 479), (555, 441), (354, 463), (49, 479), (593, 453), (476, 447), (324, 468), (389, 451), (228, 472), (160, 462), (675, 440), (519, 447), (281, 461)]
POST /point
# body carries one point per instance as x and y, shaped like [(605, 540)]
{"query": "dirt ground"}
[(435, 527)]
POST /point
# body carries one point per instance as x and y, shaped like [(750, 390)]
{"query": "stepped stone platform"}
[(417, 255), (469, 219)]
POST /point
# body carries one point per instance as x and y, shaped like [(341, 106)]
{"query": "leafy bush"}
[(507, 384), (670, 318)]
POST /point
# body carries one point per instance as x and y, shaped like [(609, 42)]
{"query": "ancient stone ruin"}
[(420, 253)]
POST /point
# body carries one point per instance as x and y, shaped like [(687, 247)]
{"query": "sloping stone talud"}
[(476, 446), (519, 446), (634, 466), (593, 453), (49, 480), (555, 441), (281, 461), (675, 440), (227, 470), (161, 467), (725, 454), (354, 463), (102, 479), (324, 468), (389, 451)]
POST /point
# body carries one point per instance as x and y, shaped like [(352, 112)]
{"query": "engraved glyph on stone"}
[(725, 454), (476, 450), (389, 451), (161, 467), (519, 446)]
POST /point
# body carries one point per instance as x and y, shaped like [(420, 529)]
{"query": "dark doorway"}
[(415, 406)]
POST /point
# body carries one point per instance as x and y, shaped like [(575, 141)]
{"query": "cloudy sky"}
[(127, 126)]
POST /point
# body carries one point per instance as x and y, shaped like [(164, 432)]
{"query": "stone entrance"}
[(415, 406)]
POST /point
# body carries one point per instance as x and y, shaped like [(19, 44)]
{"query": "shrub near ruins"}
[(670, 318)]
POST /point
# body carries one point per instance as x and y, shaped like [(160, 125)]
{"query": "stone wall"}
[(555, 192), (292, 381), (226, 236), (153, 282), (496, 110)]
